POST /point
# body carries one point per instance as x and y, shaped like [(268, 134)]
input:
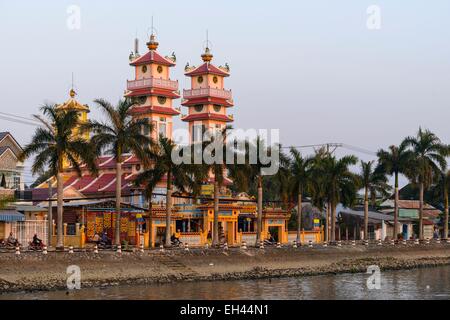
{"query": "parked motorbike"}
[(9, 245)]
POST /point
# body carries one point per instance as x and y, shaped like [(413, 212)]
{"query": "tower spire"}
[(72, 92), (152, 44), (207, 55)]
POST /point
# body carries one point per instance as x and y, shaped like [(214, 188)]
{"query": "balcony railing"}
[(152, 82), (207, 92)]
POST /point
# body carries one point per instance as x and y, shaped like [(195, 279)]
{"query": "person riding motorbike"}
[(175, 240), (12, 241)]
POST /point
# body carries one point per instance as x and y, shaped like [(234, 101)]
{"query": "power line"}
[(17, 116), (18, 121)]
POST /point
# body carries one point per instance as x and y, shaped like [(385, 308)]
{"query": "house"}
[(11, 169), (409, 209), (351, 225)]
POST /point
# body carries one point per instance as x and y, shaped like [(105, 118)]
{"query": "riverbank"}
[(35, 271)]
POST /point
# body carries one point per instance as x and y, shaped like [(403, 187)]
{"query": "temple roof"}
[(152, 92), (152, 57), (154, 109), (207, 68), (207, 116), (73, 104), (207, 100)]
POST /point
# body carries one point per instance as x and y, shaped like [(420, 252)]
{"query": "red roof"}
[(102, 181), (207, 68), (153, 92), (207, 116), (155, 109), (152, 57), (207, 100)]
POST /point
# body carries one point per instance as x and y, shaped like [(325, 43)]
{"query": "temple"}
[(154, 93)]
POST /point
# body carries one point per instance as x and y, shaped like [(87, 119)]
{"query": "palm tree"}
[(255, 173), (121, 133), (148, 179), (218, 168), (439, 194), (373, 181), (394, 161), (428, 160), (178, 175), (342, 184), (301, 174), (54, 143)]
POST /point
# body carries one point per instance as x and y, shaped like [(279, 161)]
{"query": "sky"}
[(312, 69)]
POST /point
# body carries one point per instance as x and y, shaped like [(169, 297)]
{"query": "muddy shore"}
[(35, 271)]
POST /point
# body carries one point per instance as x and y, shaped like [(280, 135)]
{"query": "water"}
[(431, 283)]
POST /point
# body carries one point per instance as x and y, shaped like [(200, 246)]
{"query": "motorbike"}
[(36, 247), (9, 245)]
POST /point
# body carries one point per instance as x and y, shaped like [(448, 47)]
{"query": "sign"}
[(207, 190)]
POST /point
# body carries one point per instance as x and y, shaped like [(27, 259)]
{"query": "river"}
[(430, 283)]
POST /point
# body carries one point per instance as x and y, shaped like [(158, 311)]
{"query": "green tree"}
[(428, 160), (394, 161), (54, 143), (120, 134), (373, 180), (148, 180), (301, 177)]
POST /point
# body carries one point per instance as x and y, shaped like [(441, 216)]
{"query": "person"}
[(11, 240), (36, 240), (174, 239), (105, 239), (96, 238)]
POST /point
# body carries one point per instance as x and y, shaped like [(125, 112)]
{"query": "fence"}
[(25, 230)]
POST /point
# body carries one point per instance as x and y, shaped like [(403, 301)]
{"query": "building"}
[(154, 92), (351, 225), (11, 169), (409, 210)]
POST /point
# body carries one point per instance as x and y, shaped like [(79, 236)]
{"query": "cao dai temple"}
[(87, 209)]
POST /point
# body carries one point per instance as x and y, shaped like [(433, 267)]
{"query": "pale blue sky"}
[(309, 68)]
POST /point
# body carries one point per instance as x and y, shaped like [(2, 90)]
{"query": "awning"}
[(11, 216)]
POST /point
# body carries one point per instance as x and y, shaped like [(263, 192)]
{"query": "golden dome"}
[(152, 44), (72, 103), (207, 56)]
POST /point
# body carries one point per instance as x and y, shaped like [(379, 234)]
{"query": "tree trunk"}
[(299, 216), (394, 236), (168, 209), (421, 211), (327, 224), (366, 214), (260, 212), (50, 213), (118, 200), (60, 199), (215, 234), (333, 222), (150, 223), (446, 212)]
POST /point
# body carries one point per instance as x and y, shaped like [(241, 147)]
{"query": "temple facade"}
[(154, 92)]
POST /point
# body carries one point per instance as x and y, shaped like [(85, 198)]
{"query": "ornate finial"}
[(72, 93), (207, 56), (152, 44)]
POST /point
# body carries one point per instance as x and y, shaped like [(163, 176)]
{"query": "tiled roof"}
[(207, 68), (152, 57), (207, 116), (207, 100), (153, 92), (155, 109)]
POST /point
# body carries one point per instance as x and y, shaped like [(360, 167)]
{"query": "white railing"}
[(152, 82), (207, 92)]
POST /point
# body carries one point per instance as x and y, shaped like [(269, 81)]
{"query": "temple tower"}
[(152, 89), (207, 100)]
